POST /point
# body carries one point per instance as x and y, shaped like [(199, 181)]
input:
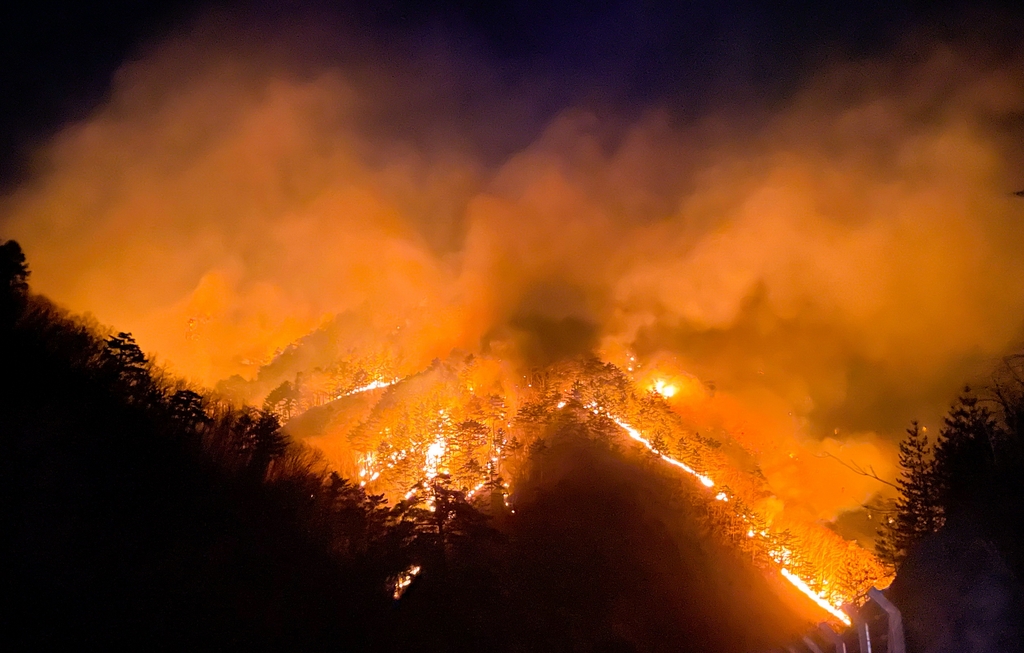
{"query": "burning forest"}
[(473, 421), (395, 328)]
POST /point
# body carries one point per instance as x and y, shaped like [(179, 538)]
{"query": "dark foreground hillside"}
[(141, 514), (619, 550)]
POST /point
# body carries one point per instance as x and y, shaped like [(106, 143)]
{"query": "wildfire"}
[(435, 456), (664, 388), (635, 434), (814, 596), (373, 385), (404, 580), (795, 580), (366, 463)]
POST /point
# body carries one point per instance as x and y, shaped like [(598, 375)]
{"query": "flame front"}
[(664, 389), (801, 585), (404, 580), (467, 425), (706, 481)]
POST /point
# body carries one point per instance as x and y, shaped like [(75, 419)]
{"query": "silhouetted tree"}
[(282, 401), (261, 441), (186, 408), (354, 520), (973, 472), (14, 275), (442, 521), (919, 510), (123, 359), (14, 270), (965, 455)]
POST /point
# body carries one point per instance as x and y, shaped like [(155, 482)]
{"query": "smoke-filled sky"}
[(808, 212)]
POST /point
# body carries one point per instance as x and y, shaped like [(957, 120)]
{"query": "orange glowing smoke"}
[(800, 284)]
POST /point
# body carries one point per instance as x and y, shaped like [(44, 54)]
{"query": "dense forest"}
[(973, 471), (140, 512), (953, 533)]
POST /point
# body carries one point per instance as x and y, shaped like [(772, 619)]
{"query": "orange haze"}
[(817, 276)]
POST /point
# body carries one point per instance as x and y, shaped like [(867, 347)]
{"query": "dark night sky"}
[(58, 56)]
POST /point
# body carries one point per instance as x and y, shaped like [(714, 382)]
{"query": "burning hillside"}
[(430, 260), (474, 421)]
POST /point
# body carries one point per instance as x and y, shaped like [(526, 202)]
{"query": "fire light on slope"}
[(795, 580), (425, 428), (373, 385), (664, 389), (635, 434), (434, 454), (811, 594), (404, 580)]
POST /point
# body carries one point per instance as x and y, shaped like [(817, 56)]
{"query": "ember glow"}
[(664, 389), (404, 580), (372, 385)]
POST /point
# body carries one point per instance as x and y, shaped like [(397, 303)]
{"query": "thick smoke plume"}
[(813, 274)]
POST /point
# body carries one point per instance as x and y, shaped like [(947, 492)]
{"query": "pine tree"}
[(919, 509), (13, 269), (129, 369), (965, 456), (261, 441), (187, 411), (13, 283), (283, 401)]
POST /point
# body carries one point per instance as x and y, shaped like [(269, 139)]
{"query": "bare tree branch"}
[(857, 469), (880, 509)]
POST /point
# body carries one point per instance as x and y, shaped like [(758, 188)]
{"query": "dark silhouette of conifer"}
[(965, 454), (919, 509), (14, 270), (14, 275)]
